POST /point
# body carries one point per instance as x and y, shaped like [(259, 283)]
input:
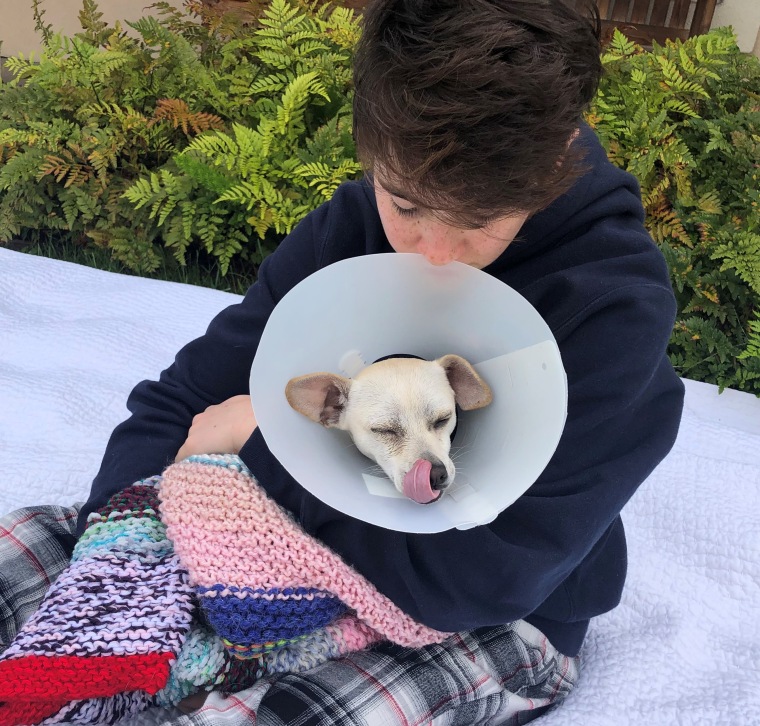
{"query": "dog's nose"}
[(438, 477)]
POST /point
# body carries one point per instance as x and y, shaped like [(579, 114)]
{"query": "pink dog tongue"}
[(417, 483)]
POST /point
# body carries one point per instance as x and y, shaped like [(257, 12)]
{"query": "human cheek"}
[(404, 236)]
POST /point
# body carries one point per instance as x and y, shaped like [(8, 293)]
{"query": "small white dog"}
[(400, 412)]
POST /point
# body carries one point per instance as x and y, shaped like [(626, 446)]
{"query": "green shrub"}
[(685, 119), (183, 133)]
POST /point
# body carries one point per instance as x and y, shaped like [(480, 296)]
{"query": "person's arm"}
[(208, 370), (624, 409)]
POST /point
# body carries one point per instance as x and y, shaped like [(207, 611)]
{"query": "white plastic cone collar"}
[(358, 310)]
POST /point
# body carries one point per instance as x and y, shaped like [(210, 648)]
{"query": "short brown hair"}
[(469, 105)]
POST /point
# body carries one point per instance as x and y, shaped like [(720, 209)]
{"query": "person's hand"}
[(220, 429)]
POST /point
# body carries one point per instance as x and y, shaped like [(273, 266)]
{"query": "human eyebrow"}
[(393, 191)]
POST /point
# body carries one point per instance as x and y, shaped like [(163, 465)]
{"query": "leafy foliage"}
[(289, 85), (196, 134), (685, 119), (182, 133)]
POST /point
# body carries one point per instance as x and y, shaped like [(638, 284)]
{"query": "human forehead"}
[(496, 225), (390, 187), (439, 212)]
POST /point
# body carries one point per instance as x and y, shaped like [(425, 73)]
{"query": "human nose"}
[(439, 246)]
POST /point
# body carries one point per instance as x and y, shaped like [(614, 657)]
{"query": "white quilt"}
[(682, 648)]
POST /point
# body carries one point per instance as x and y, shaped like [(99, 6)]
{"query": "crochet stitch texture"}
[(113, 621), (119, 631), (268, 582)]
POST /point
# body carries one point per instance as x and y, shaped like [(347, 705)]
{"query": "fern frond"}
[(43, 28), (709, 203), (297, 94), (21, 67), (279, 14), (20, 168), (105, 63), (271, 83), (741, 253), (202, 174), (664, 223), (752, 350), (95, 29), (327, 179), (178, 113), (619, 47)]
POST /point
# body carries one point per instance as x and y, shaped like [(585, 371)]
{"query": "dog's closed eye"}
[(440, 422), (387, 431)]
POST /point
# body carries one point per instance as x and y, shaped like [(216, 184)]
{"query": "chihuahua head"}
[(400, 412)]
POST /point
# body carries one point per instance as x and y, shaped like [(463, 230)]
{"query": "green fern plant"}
[(685, 119), (290, 82), (753, 343), (80, 123), (95, 135), (215, 137)]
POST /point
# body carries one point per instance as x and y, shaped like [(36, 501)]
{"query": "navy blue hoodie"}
[(557, 556)]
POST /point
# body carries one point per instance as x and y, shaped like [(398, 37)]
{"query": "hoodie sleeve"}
[(623, 413), (206, 371)]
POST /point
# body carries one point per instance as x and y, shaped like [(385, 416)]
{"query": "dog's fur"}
[(397, 411)]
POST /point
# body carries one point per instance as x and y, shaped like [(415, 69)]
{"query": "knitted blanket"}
[(190, 581)]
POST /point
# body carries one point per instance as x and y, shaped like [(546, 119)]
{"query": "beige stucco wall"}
[(17, 22), (743, 16)]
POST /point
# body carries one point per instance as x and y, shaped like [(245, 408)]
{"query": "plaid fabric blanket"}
[(218, 590)]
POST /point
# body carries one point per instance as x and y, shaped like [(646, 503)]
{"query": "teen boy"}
[(467, 118)]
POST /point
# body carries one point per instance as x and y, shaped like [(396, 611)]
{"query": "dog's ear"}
[(319, 396), (470, 390)]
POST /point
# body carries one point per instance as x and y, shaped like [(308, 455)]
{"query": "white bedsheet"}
[(682, 648)]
